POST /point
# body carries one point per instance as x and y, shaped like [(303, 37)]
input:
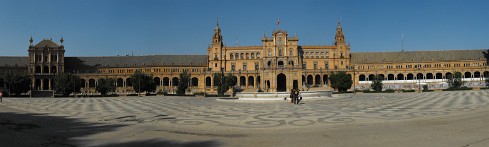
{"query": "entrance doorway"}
[(296, 84), (281, 82)]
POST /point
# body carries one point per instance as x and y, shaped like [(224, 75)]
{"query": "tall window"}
[(244, 66), (252, 55), (257, 55), (236, 56), (269, 52), (247, 55), (231, 56), (280, 52), (291, 52)]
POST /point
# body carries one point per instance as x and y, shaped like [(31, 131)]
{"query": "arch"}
[(309, 80), (128, 82), (325, 79), (477, 74), (448, 75), (390, 77), (119, 82), (429, 76), (208, 81), (280, 63), (53, 69), (318, 79), (82, 83), (45, 84), (269, 63), (251, 81), (231, 56), (174, 81), (37, 84), (38, 69), (361, 77), (258, 80), (439, 76), (195, 81), (371, 77), (252, 55), (46, 69), (91, 83), (381, 76), (247, 55), (409, 76), (242, 80), (419, 76), (235, 80), (236, 56), (400, 76), (468, 75), (281, 82), (166, 81), (157, 81)]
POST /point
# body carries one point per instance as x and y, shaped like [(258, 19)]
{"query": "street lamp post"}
[(419, 80)]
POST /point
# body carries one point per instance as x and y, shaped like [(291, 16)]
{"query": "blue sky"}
[(147, 27)]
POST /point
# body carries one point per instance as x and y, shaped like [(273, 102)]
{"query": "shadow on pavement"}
[(27, 129), (163, 143)]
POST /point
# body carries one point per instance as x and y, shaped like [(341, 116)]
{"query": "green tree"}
[(17, 83), (341, 81), (142, 82), (66, 83), (377, 83), (183, 82), (224, 82), (455, 81), (105, 85)]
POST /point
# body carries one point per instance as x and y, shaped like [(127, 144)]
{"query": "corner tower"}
[(216, 51)]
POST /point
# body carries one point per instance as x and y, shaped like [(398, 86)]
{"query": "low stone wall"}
[(281, 95)]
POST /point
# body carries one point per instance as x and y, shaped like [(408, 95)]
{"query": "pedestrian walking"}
[(291, 96), (296, 96)]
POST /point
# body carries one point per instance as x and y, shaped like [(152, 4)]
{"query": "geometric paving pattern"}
[(191, 113)]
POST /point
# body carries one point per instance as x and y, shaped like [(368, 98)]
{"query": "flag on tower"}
[(278, 22)]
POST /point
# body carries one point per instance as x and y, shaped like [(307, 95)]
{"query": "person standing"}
[(1, 95), (296, 96)]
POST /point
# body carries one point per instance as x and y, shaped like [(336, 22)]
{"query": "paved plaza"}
[(229, 122)]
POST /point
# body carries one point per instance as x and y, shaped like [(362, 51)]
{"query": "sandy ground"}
[(461, 120)]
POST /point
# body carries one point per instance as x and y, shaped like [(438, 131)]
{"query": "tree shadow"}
[(28, 129)]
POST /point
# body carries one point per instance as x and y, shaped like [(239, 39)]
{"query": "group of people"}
[(295, 96)]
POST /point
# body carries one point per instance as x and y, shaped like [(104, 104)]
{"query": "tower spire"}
[(339, 38)]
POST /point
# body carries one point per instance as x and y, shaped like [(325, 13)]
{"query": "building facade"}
[(279, 64)]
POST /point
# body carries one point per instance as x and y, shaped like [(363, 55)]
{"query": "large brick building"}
[(279, 64)]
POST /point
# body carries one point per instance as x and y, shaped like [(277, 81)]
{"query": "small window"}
[(215, 65)]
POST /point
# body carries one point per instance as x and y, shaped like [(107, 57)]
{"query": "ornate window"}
[(280, 51)]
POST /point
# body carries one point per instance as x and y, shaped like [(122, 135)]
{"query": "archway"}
[(468, 75), (325, 79), (439, 76), (195, 81), (371, 77), (120, 82), (400, 77), (410, 76), (281, 83), (208, 81), (166, 81), (309, 80), (91, 83), (390, 77), (251, 81), (318, 80), (361, 77), (429, 76), (157, 81), (242, 81)]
